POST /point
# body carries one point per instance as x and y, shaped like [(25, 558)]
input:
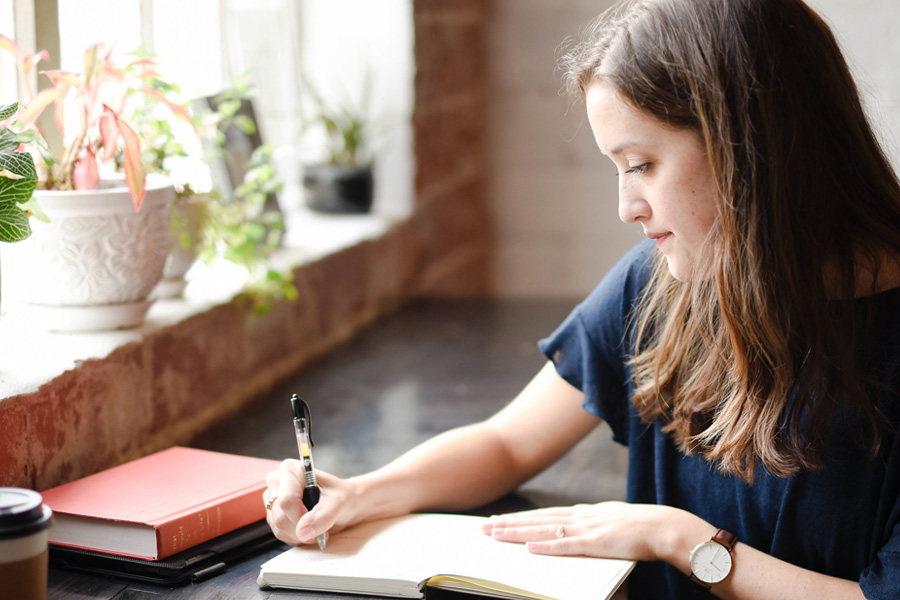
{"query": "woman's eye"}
[(639, 168)]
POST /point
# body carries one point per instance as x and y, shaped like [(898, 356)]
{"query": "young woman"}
[(748, 353)]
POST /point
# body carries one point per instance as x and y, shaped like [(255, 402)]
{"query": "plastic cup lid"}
[(22, 512)]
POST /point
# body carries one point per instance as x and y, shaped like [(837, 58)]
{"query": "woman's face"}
[(665, 180)]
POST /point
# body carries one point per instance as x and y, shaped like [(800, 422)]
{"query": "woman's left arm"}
[(647, 532)]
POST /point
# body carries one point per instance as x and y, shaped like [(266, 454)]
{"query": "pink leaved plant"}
[(99, 95)]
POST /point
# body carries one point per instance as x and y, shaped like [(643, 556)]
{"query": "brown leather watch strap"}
[(726, 539), (700, 584)]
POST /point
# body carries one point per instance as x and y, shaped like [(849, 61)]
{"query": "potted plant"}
[(18, 179), (246, 227), (343, 182), (163, 145), (207, 223), (94, 265)]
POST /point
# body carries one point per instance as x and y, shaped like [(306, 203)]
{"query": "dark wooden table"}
[(432, 366)]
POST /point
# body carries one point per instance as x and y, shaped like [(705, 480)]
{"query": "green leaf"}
[(15, 190), (33, 138), (18, 179), (245, 124), (20, 164), (14, 225), (229, 107), (34, 209), (9, 141), (8, 110)]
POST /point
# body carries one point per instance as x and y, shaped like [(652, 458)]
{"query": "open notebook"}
[(400, 557)]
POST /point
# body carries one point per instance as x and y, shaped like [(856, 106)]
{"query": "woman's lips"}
[(659, 237)]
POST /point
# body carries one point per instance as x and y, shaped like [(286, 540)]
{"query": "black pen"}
[(303, 430)]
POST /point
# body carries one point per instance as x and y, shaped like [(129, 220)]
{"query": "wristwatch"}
[(711, 561)]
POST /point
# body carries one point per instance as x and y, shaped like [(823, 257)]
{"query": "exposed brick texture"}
[(89, 418), (15, 463), (451, 220)]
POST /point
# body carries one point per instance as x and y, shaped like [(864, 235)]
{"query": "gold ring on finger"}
[(270, 502)]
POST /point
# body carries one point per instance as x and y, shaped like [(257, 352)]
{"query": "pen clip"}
[(301, 412)]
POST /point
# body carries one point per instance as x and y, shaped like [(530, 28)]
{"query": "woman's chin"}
[(678, 269)]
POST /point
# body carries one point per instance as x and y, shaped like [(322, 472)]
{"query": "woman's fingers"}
[(325, 516), (543, 517), (532, 533), (567, 546), (608, 529), (288, 517), (290, 488), (283, 494), (554, 531)]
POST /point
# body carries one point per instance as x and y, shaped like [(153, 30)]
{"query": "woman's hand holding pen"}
[(609, 529), (289, 519)]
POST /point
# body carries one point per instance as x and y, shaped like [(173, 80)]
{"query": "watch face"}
[(710, 562)]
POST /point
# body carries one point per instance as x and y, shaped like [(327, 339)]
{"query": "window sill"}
[(31, 357), (73, 403)]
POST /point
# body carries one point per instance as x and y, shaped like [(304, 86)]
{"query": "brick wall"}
[(449, 123)]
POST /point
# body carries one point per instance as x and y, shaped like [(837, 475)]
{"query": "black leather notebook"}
[(194, 564)]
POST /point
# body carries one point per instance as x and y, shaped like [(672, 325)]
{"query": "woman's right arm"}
[(457, 470)]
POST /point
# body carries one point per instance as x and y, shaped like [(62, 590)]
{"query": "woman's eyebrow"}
[(625, 145)]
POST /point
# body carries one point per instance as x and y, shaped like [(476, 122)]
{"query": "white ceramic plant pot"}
[(94, 265)]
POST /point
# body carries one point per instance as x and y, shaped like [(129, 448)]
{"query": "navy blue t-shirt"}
[(842, 520)]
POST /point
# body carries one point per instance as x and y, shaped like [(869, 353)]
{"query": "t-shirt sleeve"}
[(590, 348), (881, 579)]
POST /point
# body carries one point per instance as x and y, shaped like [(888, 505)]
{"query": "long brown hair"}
[(807, 204)]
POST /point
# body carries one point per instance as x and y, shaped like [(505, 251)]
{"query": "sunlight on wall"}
[(81, 25), (189, 47)]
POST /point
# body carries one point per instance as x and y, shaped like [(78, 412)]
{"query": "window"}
[(80, 27), (204, 44), (8, 85)]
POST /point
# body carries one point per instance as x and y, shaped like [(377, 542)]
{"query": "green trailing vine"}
[(238, 228)]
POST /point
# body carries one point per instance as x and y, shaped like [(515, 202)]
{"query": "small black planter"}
[(338, 189)]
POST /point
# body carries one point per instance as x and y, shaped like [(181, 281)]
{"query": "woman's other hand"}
[(604, 530)]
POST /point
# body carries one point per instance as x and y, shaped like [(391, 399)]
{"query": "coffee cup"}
[(24, 523)]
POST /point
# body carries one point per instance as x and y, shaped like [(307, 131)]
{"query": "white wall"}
[(553, 195), (869, 34)]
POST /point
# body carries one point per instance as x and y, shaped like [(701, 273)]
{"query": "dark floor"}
[(432, 366)]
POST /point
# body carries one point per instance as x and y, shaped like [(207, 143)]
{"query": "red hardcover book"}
[(161, 504)]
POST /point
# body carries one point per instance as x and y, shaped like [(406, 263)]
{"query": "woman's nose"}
[(632, 206)]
